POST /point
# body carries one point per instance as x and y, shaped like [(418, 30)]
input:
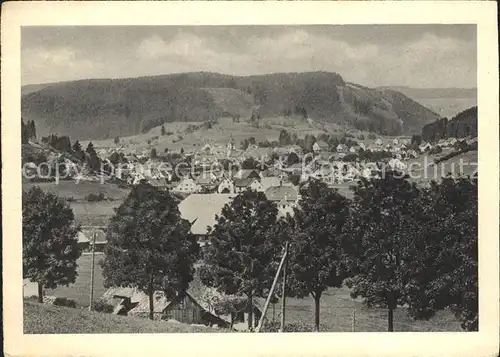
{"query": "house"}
[(295, 149), (194, 307), (287, 192), (201, 209), (86, 238), (323, 145), (425, 147), (395, 141), (244, 183), (396, 164), (352, 150), (378, 142), (206, 180), (362, 146), (187, 185), (226, 186), (341, 148), (270, 181), (242, 174), (161, 183)]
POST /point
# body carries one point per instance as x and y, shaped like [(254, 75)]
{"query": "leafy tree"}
[(294, 179), (250, 164), (24, 133), (443, 271), (93, 160), (315, 252), (50, 245), (117, 140), (78, 151), (416, 139), (292, 159), (309, 141), (376, 237), (163, 132), (182, 151), (244, 144), (284, 138), (149, 245), (224, 304), (153, 154), (242, 256)]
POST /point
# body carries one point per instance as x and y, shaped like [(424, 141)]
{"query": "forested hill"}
[(102, 108), (462, 125)]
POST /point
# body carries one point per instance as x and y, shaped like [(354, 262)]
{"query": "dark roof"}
[(162, 182), (244, 182)]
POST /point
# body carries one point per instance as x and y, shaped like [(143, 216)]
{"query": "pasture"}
[(78, 190), (336, 309)]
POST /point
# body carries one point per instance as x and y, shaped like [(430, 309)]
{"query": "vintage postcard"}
[(250, 178)]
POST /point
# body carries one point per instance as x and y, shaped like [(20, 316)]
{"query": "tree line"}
[(462, 125), (393, 244), (28, 131)]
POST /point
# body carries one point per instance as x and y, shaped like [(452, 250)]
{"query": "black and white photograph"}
[(240, 178)]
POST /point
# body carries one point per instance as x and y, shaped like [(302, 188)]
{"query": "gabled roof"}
[(202, 209), (242, 174), (277, 193), (244, 182), (270, 181), (86, 236)]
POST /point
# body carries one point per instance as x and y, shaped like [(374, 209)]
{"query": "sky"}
[(422, 56)]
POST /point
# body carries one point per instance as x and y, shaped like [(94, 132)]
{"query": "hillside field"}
[(46, 319), (79, 190)]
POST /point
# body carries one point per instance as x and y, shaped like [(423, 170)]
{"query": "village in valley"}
[(283, 202)]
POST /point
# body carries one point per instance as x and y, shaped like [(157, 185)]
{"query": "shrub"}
[(59, 301), (361, 137), (102, 306), (274, 326), (92, 197)]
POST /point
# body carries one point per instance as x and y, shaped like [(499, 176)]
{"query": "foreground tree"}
[(444, 270), (315, 243), (50, 244), (241, 258), (376, 238), (149, 245)]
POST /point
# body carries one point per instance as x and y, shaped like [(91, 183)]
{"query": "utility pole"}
[(92, 271), (266, 305), (283, 294)]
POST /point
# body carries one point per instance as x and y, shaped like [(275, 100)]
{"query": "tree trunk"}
[(317, 297), (151, 302), (40, 293), (390, 319), (250, 311)]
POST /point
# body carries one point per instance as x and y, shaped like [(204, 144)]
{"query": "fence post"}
[(353, 320)]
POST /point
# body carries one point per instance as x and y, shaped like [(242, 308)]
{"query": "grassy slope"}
[(45, 319)]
